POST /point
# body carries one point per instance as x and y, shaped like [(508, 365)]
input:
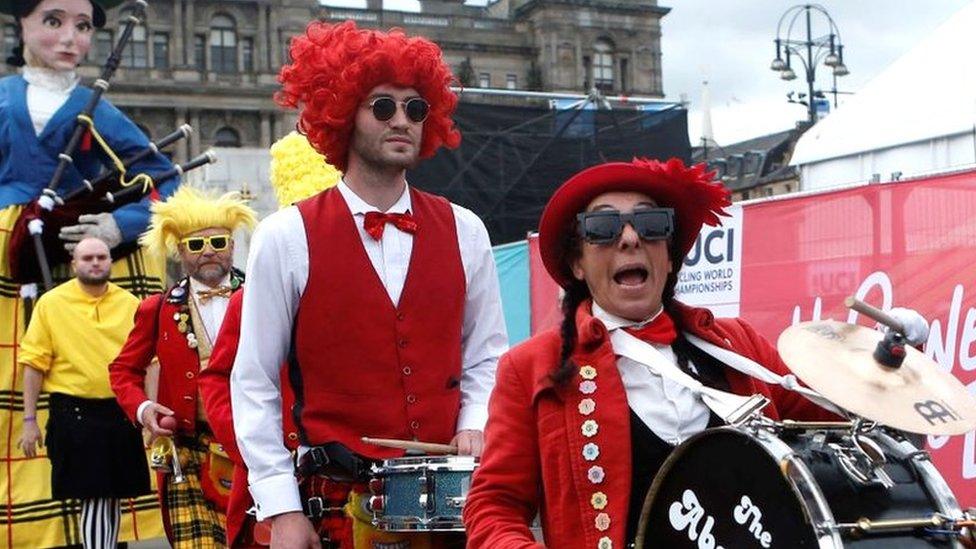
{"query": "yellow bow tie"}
[(205, 295)]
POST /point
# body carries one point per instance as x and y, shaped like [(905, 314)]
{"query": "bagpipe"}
[(34, 243)]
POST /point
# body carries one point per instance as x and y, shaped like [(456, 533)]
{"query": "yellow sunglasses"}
[(195, 244)]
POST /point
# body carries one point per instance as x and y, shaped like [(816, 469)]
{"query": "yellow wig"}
[(190, 210), (298, 171)]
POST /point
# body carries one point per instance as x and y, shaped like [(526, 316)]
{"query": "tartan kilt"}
[(191, 519)]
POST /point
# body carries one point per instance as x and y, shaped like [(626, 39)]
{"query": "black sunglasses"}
[(606, 226), (416, 108)]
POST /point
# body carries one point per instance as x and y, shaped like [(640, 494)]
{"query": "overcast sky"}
[(730, 43)]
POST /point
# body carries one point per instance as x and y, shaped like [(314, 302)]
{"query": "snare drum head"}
[(723, 488)]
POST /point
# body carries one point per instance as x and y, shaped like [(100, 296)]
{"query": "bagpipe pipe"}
[(34, 242)]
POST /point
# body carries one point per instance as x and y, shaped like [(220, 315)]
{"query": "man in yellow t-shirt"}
[(96, 454)]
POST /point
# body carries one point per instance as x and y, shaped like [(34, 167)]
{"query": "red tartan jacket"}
[(533, 458), (156, 333), (215, 391)]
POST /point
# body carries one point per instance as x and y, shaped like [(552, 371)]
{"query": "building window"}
[(511, 82), (161, 50), (603, 65), (223, 44), (247, 54), (136, 53), (104, 40), (623, 75), (227, 137), (484, 80), (200, 51), (9, 39)]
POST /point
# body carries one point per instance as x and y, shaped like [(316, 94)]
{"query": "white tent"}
[(918, 116)]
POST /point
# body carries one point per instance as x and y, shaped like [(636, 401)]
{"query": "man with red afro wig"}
[(383, 299)]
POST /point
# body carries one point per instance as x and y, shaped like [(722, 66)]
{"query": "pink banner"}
[(909, 244)]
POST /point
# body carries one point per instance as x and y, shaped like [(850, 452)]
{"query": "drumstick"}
[(875, 314), (428, 447)]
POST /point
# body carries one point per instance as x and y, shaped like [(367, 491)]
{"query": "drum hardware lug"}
[(426, 499), (867, 526), (456, 502), (747, 411), (377, 504), (854, 468)]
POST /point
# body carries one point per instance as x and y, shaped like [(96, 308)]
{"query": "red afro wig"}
[(334, 67)]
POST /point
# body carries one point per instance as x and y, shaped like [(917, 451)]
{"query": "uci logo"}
[(715, 247)]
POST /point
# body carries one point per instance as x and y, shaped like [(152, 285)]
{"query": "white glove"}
[(101, 226), (916, 328)]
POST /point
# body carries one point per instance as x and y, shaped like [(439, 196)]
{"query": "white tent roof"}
[(927, 93)]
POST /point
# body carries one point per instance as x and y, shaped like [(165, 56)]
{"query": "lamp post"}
[(810, 52)]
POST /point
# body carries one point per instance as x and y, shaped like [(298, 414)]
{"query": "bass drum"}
[(727, 488)]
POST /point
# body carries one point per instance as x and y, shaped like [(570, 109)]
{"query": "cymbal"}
[(836, 360)]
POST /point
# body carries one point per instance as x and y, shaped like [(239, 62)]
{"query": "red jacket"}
[(156, 333), (215, 391), (533, 457)]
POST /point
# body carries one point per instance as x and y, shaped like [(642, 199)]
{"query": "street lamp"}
[(810, 52)]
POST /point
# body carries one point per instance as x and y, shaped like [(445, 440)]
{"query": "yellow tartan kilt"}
[(28, 515)]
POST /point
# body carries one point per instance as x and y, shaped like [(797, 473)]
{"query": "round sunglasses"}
[(384, 108)]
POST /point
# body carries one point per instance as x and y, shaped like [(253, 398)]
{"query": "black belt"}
[(336, 462)]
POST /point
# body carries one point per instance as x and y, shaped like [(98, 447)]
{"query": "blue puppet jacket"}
[(28, 160)]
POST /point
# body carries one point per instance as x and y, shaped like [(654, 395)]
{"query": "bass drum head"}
[(723, 488)]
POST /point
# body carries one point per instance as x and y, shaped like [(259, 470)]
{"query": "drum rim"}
[(424, 462), (779, 453)]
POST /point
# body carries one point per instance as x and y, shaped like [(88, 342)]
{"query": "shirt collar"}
[(613, 322), (358, 206), (50, 79), (196, 285)]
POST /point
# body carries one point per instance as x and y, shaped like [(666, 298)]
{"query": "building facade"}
[(213, 64)]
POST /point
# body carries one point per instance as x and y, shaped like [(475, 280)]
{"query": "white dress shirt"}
[(47, 91), (211, 313), (278, 270), (670, 410)]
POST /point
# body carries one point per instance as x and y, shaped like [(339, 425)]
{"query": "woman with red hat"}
[(577, 427)]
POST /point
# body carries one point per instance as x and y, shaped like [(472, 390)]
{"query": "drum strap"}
[(725, 405), (754, 369)]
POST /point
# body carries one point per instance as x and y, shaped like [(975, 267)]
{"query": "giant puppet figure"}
[(381, 357), (179, 328), (38, 110)]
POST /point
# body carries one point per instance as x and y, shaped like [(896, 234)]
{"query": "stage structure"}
[(512, 157)]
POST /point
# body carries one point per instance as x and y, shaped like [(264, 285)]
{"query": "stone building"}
[(213, 64)]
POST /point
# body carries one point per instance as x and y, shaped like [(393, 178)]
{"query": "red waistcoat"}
[(365, 367)]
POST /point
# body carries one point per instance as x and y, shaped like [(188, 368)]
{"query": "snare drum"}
[(421, 493), (731, 488)]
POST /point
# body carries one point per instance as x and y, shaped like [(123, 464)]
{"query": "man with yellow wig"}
[(179, 328)]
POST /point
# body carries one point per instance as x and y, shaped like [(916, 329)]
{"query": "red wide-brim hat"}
[(696, 198)]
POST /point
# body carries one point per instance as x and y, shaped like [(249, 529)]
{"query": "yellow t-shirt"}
[(73, 337)]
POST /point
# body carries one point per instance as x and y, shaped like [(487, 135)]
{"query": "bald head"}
[(92, 262)]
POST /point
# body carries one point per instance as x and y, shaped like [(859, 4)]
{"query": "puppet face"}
[(626, 277), (393, 143), (58, 33), (205, 264)]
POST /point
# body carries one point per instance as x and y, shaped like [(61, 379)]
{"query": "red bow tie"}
[(660, 330), (375, 222)]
